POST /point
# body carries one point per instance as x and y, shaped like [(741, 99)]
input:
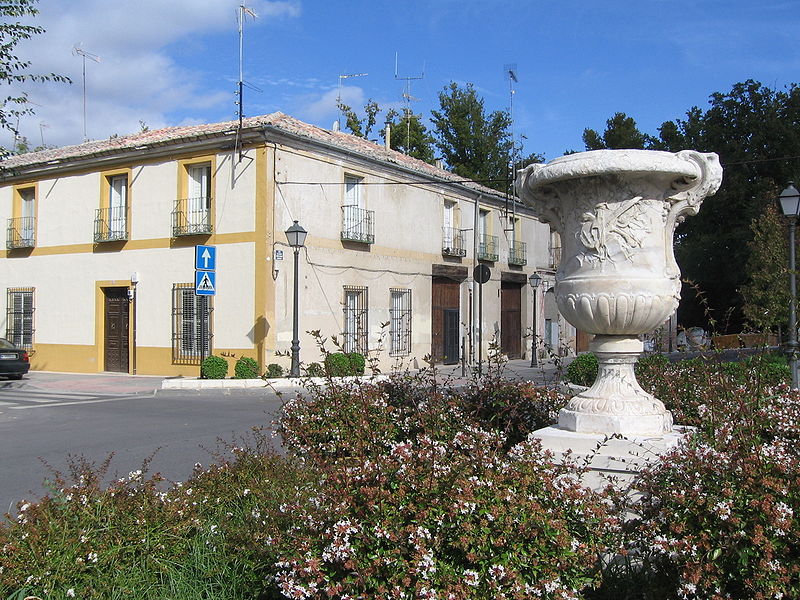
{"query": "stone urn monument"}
[(616, 212)]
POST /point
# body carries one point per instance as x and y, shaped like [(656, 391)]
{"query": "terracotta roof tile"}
[(277, 120)]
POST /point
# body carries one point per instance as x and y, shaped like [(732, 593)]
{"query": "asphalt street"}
[(177, 428)]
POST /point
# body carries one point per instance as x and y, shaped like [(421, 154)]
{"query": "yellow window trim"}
[(105, 187), (16, 209)]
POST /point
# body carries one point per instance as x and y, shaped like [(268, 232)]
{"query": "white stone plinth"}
[(609, 458)]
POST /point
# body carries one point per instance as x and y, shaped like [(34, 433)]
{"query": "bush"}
[(314, 369), (214, 367), (583, 370), (246, 368), (339, 364), (274, 370), (357, 363)]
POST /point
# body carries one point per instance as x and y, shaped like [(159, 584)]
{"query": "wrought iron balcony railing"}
[(111, 224), (517, 253), (21, 233), (358, 225), (192, 216), (487, 247), (453, 242)]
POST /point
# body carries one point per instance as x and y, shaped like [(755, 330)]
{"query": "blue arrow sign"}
[(205, 258), (205, 283)]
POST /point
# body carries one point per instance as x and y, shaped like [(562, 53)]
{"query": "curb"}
[(280, 383)]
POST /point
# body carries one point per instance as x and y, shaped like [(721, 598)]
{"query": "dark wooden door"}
[(511, 319), (116, 329), (445, 320)]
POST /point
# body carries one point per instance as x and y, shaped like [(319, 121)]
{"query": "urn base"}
[(616, 403)]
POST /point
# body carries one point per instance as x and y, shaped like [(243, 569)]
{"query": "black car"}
[(14, 362)]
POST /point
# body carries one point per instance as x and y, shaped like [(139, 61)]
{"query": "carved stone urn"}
[(616, 212)]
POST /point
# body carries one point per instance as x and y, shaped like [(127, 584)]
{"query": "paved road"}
[(180, 427)]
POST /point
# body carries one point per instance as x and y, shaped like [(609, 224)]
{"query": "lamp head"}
[(296, 235)]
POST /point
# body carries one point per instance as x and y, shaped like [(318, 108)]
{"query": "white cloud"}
[(324, 106), (146, 70)]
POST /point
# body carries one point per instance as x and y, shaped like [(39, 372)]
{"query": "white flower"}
[(70, 593)]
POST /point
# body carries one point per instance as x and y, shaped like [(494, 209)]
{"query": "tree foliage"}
[(14, 71), (358, 126), (473, 144), (766, 293), (409, 135), (621, 132)]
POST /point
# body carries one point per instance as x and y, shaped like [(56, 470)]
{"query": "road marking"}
[(97, 401)]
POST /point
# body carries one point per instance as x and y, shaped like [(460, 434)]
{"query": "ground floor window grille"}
[(192, 326), (400, 322), (355, 320), (19, 317)]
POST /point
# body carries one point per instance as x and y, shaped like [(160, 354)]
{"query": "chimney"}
[(388, 137), (439, 164)]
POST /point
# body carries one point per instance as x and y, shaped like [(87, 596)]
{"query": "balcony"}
[(111, 224), (358, 225), (453, 242), (555, 256), (487, 248), (518, 254), (21, 233), (192, 216)]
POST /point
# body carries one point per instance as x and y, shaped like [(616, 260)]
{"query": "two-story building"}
[(99, 266)]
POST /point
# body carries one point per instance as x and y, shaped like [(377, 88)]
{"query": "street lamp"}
[(790, 205), (297, 238), (535, 279)]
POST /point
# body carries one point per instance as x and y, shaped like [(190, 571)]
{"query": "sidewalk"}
[(99, 383), (121, 383)]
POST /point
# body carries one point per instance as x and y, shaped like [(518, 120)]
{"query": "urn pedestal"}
[(616, 212)]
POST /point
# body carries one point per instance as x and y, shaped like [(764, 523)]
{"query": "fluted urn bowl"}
[(616, 212)]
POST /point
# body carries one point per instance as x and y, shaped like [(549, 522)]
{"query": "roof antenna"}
[(78, 51), (241, 16), (407, 98), (338, 124), (510, 73)]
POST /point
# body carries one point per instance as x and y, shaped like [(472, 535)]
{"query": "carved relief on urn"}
[(616, 212)]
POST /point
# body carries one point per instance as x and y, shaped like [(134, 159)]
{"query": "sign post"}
[(481, 273), (205, 284)]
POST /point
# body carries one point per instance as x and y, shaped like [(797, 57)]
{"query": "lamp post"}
[(535, 279), (297, 238), (790, 206)]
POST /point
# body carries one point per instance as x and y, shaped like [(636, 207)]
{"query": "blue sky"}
[(172, 62)]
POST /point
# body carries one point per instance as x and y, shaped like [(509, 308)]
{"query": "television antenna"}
[(241, 17), (77, 50), (339, 95), (407, 97), (510, 73)]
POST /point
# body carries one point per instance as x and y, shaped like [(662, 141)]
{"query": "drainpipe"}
[(474, 315)]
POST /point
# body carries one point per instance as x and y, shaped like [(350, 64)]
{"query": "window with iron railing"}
[(192, 216), (356, 325), (192, 325), (453, 242), (19, 317), (487, 247), (111, 221), (21, 233), (358, 225), (517, 253), (400, 322), (555, 250)]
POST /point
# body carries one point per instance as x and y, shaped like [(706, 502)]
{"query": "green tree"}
[(766, 293), (621, 132), (15, 71), (409, 135), (473, 144), (358, 126)]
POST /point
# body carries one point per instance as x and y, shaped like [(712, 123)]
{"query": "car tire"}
[(16, 376)]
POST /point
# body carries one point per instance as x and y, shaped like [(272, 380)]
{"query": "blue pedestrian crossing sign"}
[(205, 258), (205, 283)]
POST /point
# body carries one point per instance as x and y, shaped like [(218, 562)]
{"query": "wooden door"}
[(116, 329), (511, 319), (445, 320)]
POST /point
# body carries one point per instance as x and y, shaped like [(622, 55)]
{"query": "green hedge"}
[(246, 368), (214, 367)]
